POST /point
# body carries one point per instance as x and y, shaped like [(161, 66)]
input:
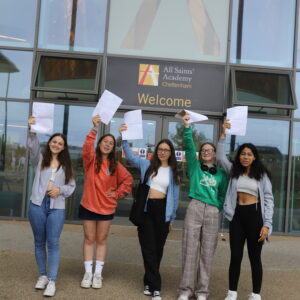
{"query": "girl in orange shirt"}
[(106, 180)]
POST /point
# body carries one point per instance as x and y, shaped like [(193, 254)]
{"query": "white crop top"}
[(247, 185), (161, 181)]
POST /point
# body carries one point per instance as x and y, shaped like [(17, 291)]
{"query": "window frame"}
[(235, 100), (39, 55)]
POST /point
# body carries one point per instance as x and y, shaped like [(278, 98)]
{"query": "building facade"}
[(160, 56)]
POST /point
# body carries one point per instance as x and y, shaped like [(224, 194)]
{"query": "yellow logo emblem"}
[(148, 74)]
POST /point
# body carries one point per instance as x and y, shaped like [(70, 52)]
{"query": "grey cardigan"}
[(264, 188), (42, 178)]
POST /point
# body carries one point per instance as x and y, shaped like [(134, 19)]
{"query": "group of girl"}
[(247, 202)]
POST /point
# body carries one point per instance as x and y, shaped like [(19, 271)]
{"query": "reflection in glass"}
[(15, 73), (257, 36), (66, 121), (297, 111), (295, 181), (201, 133), (138, 27), (77, 25), (144, 148), (265, 88), (17, 23), (67, 73), (13, 133), (273, 150)]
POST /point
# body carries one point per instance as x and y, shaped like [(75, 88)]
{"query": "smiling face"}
[(246, 157), (163, 152), (56, 145), (208, 153), (106, 145)]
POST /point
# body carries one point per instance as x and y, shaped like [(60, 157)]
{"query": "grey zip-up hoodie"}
[(42, 178), (264, 188)]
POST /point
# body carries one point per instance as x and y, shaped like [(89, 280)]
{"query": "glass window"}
[(271, 137), (257, 35), (66, 121), (13, 133), (17, 22), (297, 111), (165, 28), (67, 78), (15, 74), (262, 89), (295, 181), (74, 25)]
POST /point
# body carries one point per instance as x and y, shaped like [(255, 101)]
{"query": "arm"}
[(176, 198), (133, 159), (222, 159), (222, 190), (67, 190), (88, 152), (268, 202), (190, 149), (34, 148), (124, 181), (33, 144)]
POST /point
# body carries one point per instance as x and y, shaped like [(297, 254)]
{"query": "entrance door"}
[(156, 128)]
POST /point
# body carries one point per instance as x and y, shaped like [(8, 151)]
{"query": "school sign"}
[(169, 85)]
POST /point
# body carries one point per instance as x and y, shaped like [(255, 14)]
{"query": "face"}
[(246, 157), (106, 145), (208, 153), (163, 152), (56, 145)]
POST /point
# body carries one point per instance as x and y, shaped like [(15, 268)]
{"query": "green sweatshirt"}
[(206, 187)]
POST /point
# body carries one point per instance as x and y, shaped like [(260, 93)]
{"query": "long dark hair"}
[(155, 163), (63, 157), (257, 169), (111, 156)]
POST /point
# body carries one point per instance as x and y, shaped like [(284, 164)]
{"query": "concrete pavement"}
[(123, 270)]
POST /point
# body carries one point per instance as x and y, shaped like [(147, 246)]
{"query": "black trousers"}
[(245, 226), (152, 237)]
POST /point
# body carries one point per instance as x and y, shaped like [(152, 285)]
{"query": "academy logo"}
[(148, 74)]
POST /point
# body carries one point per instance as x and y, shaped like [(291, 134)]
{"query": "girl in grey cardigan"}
[(249, 205), (53, 182)]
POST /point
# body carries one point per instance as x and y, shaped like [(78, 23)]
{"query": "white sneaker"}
[(42, 282), (232, 295), (147, 290), (87, 280), (97, 281), (201, 297), (254, 297), (50, 289), (156, 295), (183, 297)]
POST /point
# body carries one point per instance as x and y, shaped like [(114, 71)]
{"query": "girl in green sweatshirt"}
[(208, 185)]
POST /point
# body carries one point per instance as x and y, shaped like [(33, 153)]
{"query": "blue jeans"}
[(47, 225)]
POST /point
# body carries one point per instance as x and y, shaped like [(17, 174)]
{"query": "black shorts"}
[(85, 214)]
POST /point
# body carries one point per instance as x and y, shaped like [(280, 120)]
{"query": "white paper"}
[(107, 106), (43, 114), (134, 123), (237, 117), (194, 117)]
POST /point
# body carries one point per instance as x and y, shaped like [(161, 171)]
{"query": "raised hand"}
[(96, 121), (185, 120)]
